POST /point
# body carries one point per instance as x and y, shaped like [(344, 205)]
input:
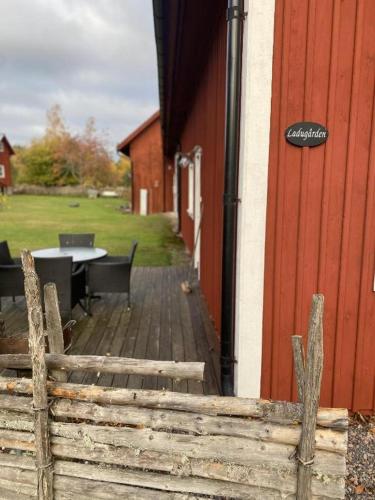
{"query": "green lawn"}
[(34, 222)]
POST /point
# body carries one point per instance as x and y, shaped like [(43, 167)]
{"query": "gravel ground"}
[(360, 481)]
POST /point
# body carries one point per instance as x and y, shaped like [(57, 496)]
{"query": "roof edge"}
[(4, 138), (122, 145)]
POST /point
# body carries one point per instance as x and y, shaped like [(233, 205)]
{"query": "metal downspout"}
[(235, 18)]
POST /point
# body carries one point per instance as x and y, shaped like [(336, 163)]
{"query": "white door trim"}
[(253, 178)]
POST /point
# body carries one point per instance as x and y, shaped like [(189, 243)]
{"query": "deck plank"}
[(165, 341), (177, 340), (152, 348), (190, 345), (140, 346), (136, 315)]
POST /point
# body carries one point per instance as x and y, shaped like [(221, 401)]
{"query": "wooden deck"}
[(164, 323)]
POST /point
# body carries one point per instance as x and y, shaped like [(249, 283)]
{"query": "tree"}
[(55, 123), (124, 170), (35, 164), (61, 158)]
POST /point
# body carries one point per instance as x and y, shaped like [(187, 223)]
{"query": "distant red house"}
[(6, 151), (151, 178)]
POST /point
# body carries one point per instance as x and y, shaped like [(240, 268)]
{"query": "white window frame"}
[(2, 171), (190, 207), (194, 201), (175, 186), (197, 207)]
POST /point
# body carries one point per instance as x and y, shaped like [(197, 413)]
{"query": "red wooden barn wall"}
[(5, 160), (321, 213), (148, 168), (205, 127)]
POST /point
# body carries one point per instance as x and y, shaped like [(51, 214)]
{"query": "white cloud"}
[(94, 58)]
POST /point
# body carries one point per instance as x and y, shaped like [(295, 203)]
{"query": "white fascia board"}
[(253, 179)]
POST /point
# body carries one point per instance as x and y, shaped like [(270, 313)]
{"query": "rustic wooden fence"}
[(71, 441)]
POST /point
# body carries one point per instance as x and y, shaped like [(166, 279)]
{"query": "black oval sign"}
[(306, 134)]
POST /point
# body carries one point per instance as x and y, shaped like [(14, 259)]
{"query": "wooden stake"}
[(54, 327), (40, 400), (2, 328), (313, 378), (299, 364)]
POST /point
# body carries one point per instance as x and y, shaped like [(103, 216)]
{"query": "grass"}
[(34, 222)]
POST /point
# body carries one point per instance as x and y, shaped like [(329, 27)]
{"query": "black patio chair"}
[(71, 286), (11, 274), (77, 240), (110, 275), (5, 256)]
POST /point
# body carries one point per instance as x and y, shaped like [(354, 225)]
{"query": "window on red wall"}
[(2, 172)]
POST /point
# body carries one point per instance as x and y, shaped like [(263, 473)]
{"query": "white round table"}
[(79, 254)]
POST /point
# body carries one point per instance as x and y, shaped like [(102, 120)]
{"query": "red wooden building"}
[(151, 177), (278, 222), (6, 151)]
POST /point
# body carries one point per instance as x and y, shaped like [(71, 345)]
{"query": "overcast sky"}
[(93, 57)]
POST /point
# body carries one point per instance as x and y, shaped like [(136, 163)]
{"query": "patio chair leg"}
[(85, 309), (88, 305)]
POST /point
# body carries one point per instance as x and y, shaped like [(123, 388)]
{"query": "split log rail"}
[(79, 441)]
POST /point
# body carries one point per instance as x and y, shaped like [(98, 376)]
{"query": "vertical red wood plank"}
[(347, 298), (329, 168), (364, 385), (362, 238), (312, 165), (279, 202), (288, 206), (274, 155), (340, 121), (305, 114)]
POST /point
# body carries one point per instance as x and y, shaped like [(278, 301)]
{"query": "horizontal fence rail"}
[(182, 370), (270, 411)]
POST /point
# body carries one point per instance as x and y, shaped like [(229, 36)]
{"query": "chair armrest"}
[(124, 263), (110, 260)]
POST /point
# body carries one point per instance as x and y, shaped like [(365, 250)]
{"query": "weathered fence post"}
[(2, 328), (299, 364), (313, 378), (54, 327), (40, 401)]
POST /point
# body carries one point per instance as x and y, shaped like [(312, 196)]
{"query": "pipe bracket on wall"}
[(236, 13), (228, 199)]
